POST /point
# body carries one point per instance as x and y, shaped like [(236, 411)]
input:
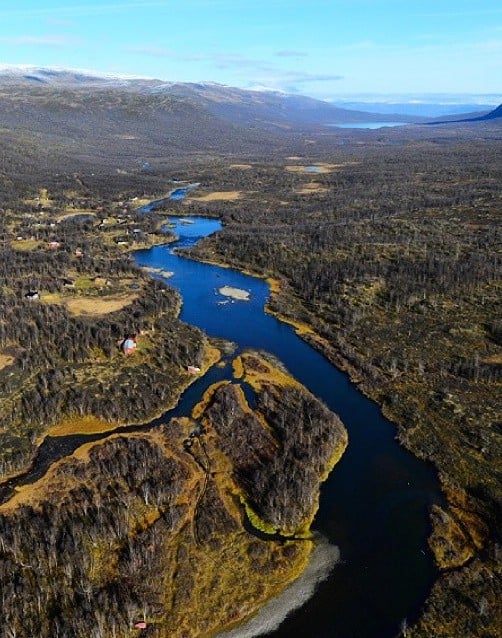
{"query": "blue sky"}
[(322, 48)]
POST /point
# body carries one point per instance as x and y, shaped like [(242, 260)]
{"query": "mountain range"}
[(494, 114), (106, 119), (264, 108)]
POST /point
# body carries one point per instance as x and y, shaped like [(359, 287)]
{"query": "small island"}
[(234, 293)]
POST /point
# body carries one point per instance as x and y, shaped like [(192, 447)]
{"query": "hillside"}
[(492, 115), (256, 109), (127, 125), (495, 114), (271, 109)]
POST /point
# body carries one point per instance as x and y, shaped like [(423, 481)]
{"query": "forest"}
[(385, 245)]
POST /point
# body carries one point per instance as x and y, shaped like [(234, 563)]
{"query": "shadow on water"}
[(374, 505)]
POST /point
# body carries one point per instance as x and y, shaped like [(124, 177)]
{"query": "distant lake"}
[(368, 124)]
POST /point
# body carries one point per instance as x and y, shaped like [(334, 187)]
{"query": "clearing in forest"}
[(91, 306), (99, 305), (218, 196), (311, 187), (6, 360)]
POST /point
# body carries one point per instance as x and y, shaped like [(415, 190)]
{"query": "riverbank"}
[(89, 425), (92, 425), (272, 613)]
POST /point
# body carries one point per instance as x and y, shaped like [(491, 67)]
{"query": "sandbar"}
[(235, 293)]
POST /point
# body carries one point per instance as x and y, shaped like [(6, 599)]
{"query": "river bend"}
[(374, 505)]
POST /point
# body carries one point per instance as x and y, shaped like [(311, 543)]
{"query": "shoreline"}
[(322, 560)]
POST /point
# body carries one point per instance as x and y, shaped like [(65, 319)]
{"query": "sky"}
[(323, 48)]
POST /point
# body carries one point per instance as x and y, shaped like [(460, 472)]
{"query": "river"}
[(178, 193), (374, 505)]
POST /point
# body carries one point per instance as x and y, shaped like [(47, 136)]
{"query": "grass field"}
[(5, 360)]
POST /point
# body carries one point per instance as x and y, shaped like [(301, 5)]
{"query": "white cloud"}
[(291, 54), (42, 40), (304, 78), (81, 9)]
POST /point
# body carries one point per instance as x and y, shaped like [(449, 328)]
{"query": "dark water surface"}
[(375, 503)]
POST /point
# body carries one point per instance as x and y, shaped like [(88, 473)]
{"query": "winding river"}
[(374, 505)]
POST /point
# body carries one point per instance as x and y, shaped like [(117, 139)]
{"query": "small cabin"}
[(193, 370), (129, 345)]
